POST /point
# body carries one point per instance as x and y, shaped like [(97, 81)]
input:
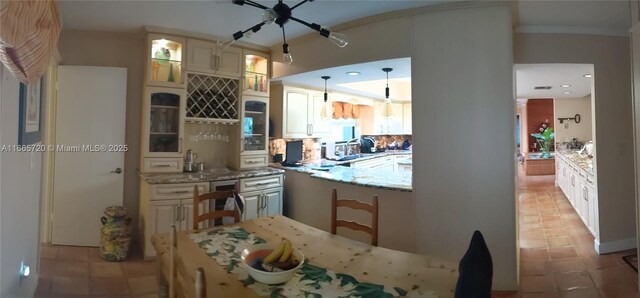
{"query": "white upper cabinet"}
[(165, 55), (296, 124), (320, 127), (207, 57)]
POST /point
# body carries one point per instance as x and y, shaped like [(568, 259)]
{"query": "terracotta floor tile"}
[(562, 253), (609, 275), (105, 269), (108, 286), (574, 265), (549, 212), (70, 285), (501, 294), (532, 234), (47, 268), (580, 293), (533, 243), (44, 286), (534, 254), (531, 226), (535, 268), (586, 251), (553, 224), (529, 219), (48, 252), (549, 217), (557, 232), (618, 290), (71, 268), (549, 294), (600, 262), (559, 242), (582, 239), (94, 255), (543, 283), (139, 268), (73, 253), (143, 285), (148, 296), (573, 280)]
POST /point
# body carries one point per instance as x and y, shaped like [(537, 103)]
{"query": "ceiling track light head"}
[(325, 77), (238, 2), (285, 48)]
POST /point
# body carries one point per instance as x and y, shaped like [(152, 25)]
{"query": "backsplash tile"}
[(279, 146), (383, 141)]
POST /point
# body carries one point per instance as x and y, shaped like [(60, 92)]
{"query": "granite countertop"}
[(405, 161), (208, 175), (366, 156), (582, 161), (356, 176)]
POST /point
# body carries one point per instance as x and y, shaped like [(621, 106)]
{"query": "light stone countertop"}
[(207, 175), (582, 161), (400, 181)]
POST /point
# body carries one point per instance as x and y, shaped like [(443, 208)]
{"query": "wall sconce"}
[(575, 118)]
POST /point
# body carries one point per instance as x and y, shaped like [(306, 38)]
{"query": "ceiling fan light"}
[(338, 39), (286, 56), (269, 16)]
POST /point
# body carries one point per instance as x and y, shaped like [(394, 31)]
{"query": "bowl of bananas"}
[(271, 264)]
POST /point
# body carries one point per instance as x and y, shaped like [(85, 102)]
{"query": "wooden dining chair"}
[(353, 204), (172, 262), (212, 215)]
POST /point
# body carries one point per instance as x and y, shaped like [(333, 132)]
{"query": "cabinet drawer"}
[(176, 191), (260, 183), (253, 161), (162, 165)]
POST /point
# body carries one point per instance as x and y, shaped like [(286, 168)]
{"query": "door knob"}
[(117, 171)]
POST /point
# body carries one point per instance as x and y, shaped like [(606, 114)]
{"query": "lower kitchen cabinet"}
[(263, 196), (164, 205), (579, 187)]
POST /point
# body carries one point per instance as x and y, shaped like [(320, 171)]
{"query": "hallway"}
[(557, 255)]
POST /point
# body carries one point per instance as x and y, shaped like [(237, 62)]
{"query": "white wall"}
[(568, 108), (20, 199), (459, 94), (613, 129)]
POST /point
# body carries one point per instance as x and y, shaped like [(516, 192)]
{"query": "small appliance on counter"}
[(367, 145), (190, 164), (293, 154)]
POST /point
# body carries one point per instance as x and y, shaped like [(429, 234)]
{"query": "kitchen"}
[(453, 184)]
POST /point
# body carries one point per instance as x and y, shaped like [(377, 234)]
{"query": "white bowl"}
[(270, 278)]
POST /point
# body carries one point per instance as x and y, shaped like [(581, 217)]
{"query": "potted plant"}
[(545, 140)]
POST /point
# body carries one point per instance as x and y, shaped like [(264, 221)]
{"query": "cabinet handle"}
[(161, 166), (184, 212), (589, 180), (264, 201), (584, 194), (180, 191), (176, 209), (258, 205), (311, 129), (262, 183), (251, 161), (581, 175)]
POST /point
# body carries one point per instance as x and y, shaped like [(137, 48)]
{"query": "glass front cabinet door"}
[(255, 125), (164, 109), (256, 73), (165, 55)]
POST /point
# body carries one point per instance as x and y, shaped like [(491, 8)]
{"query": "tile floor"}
[(67, 271), (557, 255)]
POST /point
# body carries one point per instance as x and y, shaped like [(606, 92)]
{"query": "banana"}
[(287, 251), (276, 253)]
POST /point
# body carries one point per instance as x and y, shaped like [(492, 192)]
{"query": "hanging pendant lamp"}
[(388, 110), (323, 110)]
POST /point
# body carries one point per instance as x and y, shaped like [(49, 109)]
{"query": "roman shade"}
[(29, 32)]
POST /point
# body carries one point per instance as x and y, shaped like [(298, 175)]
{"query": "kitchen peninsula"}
[(308, 197)]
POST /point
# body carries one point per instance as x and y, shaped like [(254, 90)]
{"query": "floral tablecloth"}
[(225, 245)]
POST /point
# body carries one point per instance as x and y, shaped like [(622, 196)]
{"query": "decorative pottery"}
[(115, 234)]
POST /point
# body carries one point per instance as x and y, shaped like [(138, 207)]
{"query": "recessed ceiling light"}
[(588, 75), (566, 92), (565, 85), (353, 73)]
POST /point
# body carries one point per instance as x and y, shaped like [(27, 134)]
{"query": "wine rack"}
[(212, 99)]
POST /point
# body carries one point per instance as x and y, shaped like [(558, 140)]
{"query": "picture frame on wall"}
[(31, 108)]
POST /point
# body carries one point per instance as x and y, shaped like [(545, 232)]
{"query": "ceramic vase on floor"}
[(115, 234)]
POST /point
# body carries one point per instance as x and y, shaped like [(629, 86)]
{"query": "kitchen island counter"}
[(357, 176)]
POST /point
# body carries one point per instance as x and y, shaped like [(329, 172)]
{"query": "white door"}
[(90, 112)]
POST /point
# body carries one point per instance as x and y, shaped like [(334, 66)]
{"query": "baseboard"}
[(614, 246)]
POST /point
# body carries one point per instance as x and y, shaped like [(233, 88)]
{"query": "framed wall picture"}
[(31, 108)]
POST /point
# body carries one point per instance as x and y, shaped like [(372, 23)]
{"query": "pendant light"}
[(323, 110), (388, 110)]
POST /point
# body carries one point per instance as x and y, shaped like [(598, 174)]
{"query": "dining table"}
[(342, 266)]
